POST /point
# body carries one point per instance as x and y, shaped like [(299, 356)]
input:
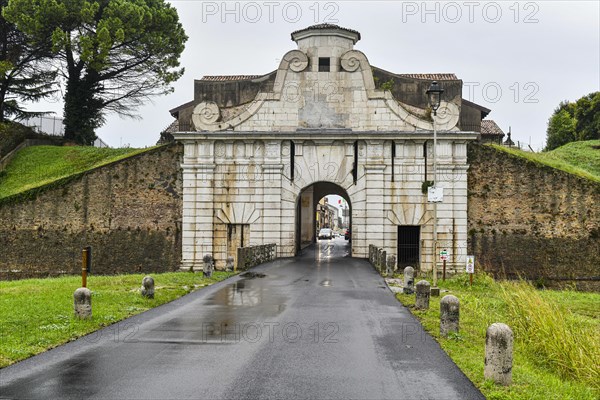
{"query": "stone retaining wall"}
[(533, 221), (128, 211)]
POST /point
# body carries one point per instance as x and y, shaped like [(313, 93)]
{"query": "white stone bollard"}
[(82, 300), (423, 292), (449, 315), (147, 289), (409, 280), (498, 354)]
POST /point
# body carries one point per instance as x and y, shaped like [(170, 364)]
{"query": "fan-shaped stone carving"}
[(447, 115), (297, 60), (351, 60), (205, 113)]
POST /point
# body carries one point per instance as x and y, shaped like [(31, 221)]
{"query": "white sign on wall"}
[(470, 264), (435, 194)]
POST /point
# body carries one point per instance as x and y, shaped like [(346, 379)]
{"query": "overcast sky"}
[(520, 59)]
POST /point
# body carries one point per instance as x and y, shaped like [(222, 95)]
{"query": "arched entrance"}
[(306, 211)]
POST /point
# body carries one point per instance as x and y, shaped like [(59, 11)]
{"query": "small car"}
[(325, 233)]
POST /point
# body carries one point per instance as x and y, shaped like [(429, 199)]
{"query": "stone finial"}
[(147, 289), (229, 264), (82, 299), (423, 290), (409, 280), (449, 315), (209, 265), (499, 354)]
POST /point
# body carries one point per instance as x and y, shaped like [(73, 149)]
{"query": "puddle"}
[(252, 275)]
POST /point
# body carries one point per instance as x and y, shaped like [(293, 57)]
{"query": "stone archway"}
[(306, 203)]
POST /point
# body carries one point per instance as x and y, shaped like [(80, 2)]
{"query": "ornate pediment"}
[(324, 84)]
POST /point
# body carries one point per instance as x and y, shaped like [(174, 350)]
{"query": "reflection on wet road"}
[(322, 325)]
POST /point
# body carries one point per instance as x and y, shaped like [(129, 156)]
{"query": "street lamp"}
[(434, 94)]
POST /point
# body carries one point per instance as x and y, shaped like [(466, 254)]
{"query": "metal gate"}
[(408, 246)]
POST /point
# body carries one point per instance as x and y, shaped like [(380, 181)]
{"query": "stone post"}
[(391, 263), (449, 315), (229, 264), (409, 280), (422, 295), (82, 301), (241, 258), (498, 354), (371, 254), (383, 262), (209, 264), (147, 289)]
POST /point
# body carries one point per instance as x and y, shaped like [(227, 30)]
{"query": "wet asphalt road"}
[(320, 326)]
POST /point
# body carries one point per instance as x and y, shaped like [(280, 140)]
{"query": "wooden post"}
[(444, 272), (84, 263)]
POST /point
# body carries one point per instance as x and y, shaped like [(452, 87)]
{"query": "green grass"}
[(37, 314), (557, 336), (578, 158), (36, 166)]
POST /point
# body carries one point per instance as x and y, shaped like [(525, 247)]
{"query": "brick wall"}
[(534, 221), (128, 211)]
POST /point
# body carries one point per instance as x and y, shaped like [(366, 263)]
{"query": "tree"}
[(114, 54), (561, 129), (22, 77), (587, 114), (574, 121)]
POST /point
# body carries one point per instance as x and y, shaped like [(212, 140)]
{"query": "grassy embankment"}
[(37, 166), (578, 158), (37, 314), (557, 336)]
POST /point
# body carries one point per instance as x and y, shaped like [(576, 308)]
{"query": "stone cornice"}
[(327, 134)]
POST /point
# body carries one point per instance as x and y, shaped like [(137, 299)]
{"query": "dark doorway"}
[(408, 246)]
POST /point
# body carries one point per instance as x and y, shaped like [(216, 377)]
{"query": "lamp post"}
[(434, 94)]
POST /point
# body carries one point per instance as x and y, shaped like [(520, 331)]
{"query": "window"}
[(324, 64)]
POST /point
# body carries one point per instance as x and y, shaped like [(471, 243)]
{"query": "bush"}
[(13, 134)]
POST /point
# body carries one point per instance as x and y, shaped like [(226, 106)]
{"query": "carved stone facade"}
[(319, 124)]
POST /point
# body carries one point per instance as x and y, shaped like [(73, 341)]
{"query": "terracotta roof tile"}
[(489, 127), (325, 26), (224, 78), (432, 77)]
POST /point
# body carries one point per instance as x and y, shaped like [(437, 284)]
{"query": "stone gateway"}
[(260, 151)]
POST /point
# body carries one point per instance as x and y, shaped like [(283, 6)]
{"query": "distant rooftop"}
[(489, 127)]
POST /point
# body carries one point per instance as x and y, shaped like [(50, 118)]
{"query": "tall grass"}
[(554, 335), (556, 349)]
